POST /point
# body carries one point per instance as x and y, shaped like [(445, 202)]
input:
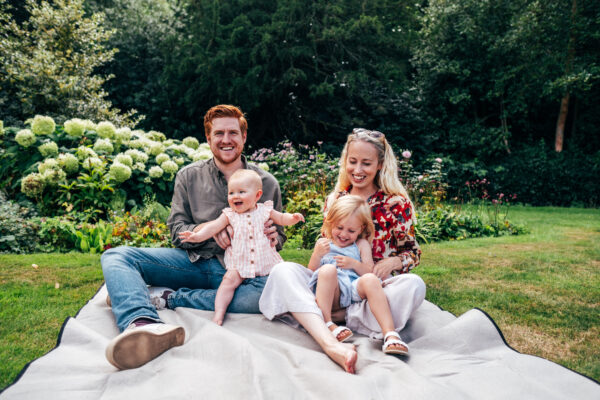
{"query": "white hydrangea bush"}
[(129, 160)]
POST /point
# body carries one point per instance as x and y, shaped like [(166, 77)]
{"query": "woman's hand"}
[(321, 247), (384, 268), (346, 262)]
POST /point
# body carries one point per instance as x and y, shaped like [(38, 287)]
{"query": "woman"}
[(368, 169)]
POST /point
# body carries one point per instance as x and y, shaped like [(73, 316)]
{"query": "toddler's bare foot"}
[(344, 354)]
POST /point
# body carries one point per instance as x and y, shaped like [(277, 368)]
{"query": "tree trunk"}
[(559, 136)]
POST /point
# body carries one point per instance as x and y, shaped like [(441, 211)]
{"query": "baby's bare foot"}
[(218, 318)]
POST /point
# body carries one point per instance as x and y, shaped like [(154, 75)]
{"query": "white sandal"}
[(339, 330), (394, 350)]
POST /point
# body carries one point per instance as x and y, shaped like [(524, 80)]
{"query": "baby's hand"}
[(298, 217), (322, 246), (187, 236)]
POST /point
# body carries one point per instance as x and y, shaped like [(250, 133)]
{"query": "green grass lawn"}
[(542, 289)]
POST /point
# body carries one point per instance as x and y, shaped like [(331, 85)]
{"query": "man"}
[(192, 271)]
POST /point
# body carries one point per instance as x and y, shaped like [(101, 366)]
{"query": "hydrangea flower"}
[(25, 137), (106, 129), (264, 166), (191, 142), (155, 148), (200, 155), (123, 134), (406, 154), (168, 142), (92, 162), (75, 127), (155, 172), (68, 162), (139, 166), (136, 144), (1, 128), (49, 163), (170, 167), (53, 176), (124, 159), (84, 152), (138, 156), (162, 157), (103, 145), (120, 172), (156, 136), (42, 125), (48, 149), (89, 125), (204, 146), (438, 160), (32, 185), (179, 160), (138, 133)]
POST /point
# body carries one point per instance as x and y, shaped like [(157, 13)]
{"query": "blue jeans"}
[(128, 271)]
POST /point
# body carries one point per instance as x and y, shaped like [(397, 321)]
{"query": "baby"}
[(250, 253)]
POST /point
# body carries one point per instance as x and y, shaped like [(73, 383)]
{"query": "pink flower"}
[(319, 142), (438, 160), (420, 178), (406, 154)]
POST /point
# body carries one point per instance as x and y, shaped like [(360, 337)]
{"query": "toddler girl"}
[(250, 253), (342, 263)]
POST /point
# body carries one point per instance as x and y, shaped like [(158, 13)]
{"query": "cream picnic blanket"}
[(253, 358)]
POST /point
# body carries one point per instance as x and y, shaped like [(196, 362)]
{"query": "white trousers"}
[(287, 291)]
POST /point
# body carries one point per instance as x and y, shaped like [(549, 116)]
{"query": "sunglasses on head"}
[(366, 132)]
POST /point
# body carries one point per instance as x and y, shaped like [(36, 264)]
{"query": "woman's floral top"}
[(394, 230)]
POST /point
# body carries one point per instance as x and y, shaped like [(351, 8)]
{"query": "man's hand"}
[(271, 232), (224, 237)]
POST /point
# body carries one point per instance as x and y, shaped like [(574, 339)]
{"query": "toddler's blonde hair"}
[(345, 207), (247, 175)]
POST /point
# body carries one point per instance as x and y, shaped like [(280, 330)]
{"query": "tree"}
[(144, 31), (49, 64), (301, 70), (493, 72)]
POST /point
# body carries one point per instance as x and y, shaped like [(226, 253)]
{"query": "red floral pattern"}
[(394, 230)]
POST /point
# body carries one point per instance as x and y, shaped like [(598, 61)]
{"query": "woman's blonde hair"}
[(387, 177), (345, 207)]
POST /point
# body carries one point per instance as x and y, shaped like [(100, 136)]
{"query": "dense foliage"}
[(97, 186), (478, 83), (49, 63)]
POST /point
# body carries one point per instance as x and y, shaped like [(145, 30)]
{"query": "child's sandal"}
[(347, 333), (387, 349)]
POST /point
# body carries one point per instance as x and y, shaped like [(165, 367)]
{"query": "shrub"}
[(450, 223), (299, 168), (310, 204), (18, 234), (56, 234)]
